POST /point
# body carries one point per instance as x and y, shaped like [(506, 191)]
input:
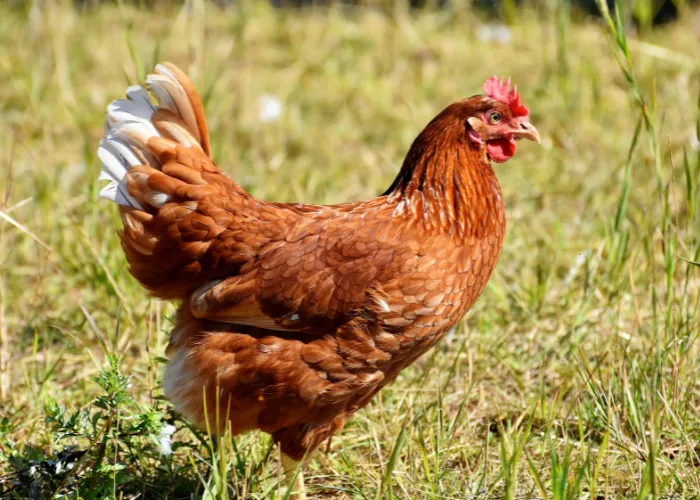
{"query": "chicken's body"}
[(330, 305), (294, 316)]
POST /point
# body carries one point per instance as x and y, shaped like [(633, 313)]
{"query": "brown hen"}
[(292, 315)]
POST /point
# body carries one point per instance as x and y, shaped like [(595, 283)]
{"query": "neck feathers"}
[(448, 184)]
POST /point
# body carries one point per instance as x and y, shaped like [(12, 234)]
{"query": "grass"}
[(576, 374)]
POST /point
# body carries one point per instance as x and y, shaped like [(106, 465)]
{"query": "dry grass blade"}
[(22, 228)]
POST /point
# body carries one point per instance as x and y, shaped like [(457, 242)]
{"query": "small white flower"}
[(270, 108), (573, 270), (694, 143), (624, 335), (59, 467), (164, 440), (32, 470), (498, 33)]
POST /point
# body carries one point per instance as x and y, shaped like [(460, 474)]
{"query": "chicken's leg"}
[(295, 477)]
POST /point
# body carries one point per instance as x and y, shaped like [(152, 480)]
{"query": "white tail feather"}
[(114, 167), (129, 126)]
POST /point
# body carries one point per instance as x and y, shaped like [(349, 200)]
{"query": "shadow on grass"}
[(66, 474)]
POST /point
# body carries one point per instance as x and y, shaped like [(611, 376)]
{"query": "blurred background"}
[(575, 375)]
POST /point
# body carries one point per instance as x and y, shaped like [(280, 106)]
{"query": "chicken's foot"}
[(295, 477)]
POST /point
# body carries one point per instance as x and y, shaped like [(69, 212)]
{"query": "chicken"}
[(293, 316)]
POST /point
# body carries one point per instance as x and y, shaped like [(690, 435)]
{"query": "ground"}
[(576, 374)]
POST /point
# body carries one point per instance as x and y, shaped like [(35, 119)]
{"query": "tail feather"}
[(130, 123), (156, 156), (186, 101), (117, 158)]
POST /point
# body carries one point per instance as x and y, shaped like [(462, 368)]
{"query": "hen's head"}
[(494, 120), (473, 131)]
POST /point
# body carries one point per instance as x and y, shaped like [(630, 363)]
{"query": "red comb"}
[(497, 89)]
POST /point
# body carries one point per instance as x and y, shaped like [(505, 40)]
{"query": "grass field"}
[(576, 374)]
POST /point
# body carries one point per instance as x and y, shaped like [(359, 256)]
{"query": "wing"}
[(334, 265), (327, 266)]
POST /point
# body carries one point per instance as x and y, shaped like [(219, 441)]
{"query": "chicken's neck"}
[(450, 185)]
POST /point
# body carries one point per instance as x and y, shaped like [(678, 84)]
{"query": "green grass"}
[(576, 374)]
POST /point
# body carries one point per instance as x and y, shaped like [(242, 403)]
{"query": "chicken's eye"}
[(494, 117)]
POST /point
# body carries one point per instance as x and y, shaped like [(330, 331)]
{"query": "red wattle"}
[(501, 150)]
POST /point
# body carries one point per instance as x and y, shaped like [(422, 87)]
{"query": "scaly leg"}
[(295, 477)]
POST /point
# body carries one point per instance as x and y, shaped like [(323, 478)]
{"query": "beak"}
[(527, 130)]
